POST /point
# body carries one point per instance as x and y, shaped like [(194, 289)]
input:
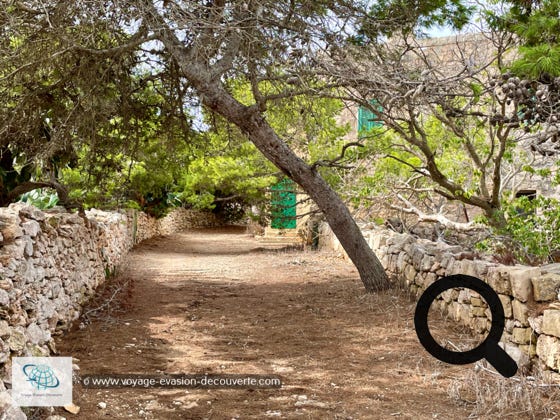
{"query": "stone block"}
[(551, 322), (529, 349), (522, 335), (479, 325), (31, 228), (521, 285), (462, 313), (498, 278), (520, 312), (545, 287), (478, 311), (5, 329), (4, 298), (429, 279), (536, 323), (409, 273), (548, 350), (426, 263), (470, 268), (464, 296), (476, 301), (506, 303)]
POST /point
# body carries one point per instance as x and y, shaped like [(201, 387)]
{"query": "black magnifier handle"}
[(500, 360)]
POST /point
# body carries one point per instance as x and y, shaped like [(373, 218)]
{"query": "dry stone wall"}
[(51, 263), (530, 295)]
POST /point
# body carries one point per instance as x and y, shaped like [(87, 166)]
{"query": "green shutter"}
[(367, 119), (283, 205)]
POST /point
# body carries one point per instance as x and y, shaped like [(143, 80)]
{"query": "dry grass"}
[(491, 396)]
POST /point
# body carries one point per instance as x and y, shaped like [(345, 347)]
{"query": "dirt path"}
[(213, 301)]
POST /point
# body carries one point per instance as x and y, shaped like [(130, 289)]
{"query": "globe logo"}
[(41, 376)]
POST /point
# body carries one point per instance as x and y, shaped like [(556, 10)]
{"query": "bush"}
[(531, 234)]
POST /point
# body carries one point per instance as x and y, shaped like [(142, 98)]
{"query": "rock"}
[(4, 298), (520, 312), (476, 301), (8, 410), (11, 232), (36, 335), (5, 329), (464, 296), (31, 212), (16, 341), (426, 263), (72, 408), (536, 323), (545, 287), (478, 311), (28, 249), (6, 284), (498, 278), (102, 405), (409, 273), (551, 322), (506, 303), (462, 313), (56, 417), (429, 279), (31, 228), (479, 325), (521, 335), (521, 285), (548, 350)]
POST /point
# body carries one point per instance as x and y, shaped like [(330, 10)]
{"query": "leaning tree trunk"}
[(253, 124), (250, 120)]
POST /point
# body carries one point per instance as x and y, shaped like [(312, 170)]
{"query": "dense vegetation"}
[(101, 110)]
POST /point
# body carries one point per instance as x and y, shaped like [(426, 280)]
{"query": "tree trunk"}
[(337, 214), (251, 121)]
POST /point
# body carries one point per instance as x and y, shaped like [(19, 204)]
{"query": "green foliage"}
[(40, 198), (537, 61), (537, 24), (406, 16), (227, 171), (531, 233), (394, 162)]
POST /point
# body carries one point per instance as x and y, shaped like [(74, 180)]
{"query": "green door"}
[(367, 119), (283, 205)]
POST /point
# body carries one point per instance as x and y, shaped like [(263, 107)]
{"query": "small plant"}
[(40, 198)]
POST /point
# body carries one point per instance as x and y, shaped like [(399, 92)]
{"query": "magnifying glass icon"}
[(488, 349)]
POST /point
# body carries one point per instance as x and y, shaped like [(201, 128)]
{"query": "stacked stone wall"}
[(51, 263), (529, 295)]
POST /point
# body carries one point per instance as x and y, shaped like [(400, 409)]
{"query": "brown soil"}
[(214, 301)]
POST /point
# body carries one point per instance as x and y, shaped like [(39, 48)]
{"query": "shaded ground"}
[(213, 301)]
